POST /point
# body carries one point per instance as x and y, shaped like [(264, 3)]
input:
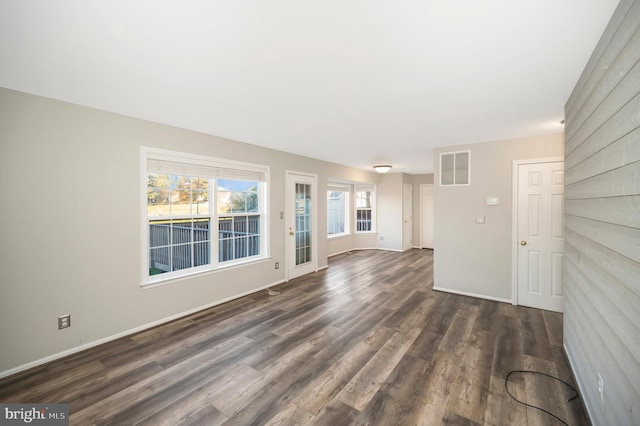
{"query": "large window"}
[(365, 208), (337, 209), (188, 197)]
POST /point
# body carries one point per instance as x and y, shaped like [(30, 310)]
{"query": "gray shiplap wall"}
[(602, 223)]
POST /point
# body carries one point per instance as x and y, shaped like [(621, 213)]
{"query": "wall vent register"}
[(455, 168)]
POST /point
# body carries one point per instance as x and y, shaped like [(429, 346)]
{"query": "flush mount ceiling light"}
[(383, 168)]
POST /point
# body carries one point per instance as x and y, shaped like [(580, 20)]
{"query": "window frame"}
[(171, 220), (233, 216), (226, 169), (373, 190), (346, 190)]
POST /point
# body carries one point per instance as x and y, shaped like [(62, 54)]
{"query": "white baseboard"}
[(476, 295), (389, 249), (578, 382), (129, 332), (364, 248), (340, 252)]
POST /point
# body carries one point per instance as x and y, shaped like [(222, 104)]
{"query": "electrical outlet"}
[(600, 387), (277, 265), (64, 321), (381, 238)]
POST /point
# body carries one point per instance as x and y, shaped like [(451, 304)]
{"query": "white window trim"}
[(468, 152), (258, 172), (374, 202), (342, 187)]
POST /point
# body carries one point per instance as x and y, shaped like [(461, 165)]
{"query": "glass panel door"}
[(303, 223)]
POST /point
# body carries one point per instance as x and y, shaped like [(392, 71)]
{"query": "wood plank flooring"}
[(365, 342)]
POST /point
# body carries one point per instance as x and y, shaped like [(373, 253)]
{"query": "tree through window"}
[(188, 197)]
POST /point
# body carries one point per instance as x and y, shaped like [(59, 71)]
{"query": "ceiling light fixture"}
[(383, 168)]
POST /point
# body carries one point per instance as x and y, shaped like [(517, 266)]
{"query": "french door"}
[(302, 252)]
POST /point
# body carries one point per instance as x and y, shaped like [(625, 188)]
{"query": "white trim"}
[(363, 187), (579, 383), (466, 293), (390, 249), (346, 214), (334, 186), (129, 332), (340, 252), (195, 274), (514, 219), (407, 245), (164, 155), (262, 174), (144, 234), (289, 203), (366, 248), (420, 213), (339, 236)]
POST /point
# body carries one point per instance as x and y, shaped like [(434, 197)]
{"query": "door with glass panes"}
[(301, 224)]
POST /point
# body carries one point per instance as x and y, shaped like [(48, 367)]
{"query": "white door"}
[(301, 225), (426, 216), (540, 233), (407, 217)]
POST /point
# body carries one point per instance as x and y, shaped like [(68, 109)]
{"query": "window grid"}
[(180, 215), (365, 199), (303, 223), (178, 227)]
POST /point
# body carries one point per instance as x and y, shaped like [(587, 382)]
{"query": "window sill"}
[(338, 236), (160, 281)]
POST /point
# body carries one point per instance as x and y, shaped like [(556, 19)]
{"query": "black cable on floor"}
[(506, 381)]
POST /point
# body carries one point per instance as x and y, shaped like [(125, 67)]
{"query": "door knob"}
[(523, 243)]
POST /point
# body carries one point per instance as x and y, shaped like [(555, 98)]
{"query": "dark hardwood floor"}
[(365, 342)]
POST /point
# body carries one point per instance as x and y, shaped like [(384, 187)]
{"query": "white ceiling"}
[(355, 82)]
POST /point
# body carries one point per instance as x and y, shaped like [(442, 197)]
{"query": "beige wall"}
[(352, 240), (389, 220), (484, 250), (72, 226)]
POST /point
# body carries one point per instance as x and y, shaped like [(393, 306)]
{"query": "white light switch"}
[(493, 201), (479, 219)]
